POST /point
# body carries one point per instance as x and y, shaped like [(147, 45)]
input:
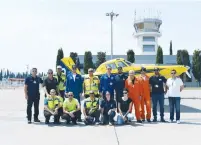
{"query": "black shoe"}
[(79, 120), (47, 122), (74, 122), (155, 120), (56, 122), (36, 120), (148, 120), (163, 120), (67, 122), (139, 121), (29, 121), (143, 120)]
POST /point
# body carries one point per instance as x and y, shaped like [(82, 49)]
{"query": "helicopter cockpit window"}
[(121, 64), (128, 62), (112, 65)]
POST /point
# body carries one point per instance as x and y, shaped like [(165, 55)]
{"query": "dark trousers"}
[(155, 99), (68, 118), (119, 94), (95, 114), (109, 118), (30, 102), (47, 115), (62, 93), (174, 102)]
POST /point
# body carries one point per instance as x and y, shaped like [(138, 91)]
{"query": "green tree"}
[(73, 55), (131, 55), (88, 63), (159, 55), (171, 48), (196, 66), (101, 57), (1, 75), (179, 57), (60, 55)]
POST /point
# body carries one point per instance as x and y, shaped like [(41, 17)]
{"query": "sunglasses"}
[(173, 73), (70, 95), (125, 93)]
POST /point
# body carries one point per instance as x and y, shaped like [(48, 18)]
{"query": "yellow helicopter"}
[(165, 70)]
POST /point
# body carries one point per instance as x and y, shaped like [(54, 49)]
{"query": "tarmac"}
[(14, 129)]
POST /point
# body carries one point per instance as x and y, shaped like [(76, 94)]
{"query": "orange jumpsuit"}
[(145, 98), (134, 93)]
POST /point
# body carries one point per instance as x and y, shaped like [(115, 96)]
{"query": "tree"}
[(131, 55), (60, 55), (101, 57), (179, 57), (171, 47), (88, 63), (159, 56), (77, 63), (196, 66), (1, 75), (73, 55)]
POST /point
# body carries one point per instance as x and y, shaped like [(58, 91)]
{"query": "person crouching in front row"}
[(91, 109), (125, 107), (71, 109), (52, 105), (108, 108)]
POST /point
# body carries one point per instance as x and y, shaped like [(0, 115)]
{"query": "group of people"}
[(104, 97)]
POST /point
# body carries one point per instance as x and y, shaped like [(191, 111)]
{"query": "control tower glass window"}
[(148, 39), (140, 26), (148, 48)]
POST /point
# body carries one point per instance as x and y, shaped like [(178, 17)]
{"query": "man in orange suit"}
[(132, 84), (145, 98)]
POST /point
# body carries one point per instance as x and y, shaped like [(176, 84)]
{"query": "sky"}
[(32, 31)]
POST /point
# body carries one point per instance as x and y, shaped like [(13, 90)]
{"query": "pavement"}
[(14, 129)]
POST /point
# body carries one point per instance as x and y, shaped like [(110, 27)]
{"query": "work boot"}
[(29, 121), (143, 120), (139, 121), (155, 119), (148, 120), (79, 120), (163, 120), (47, 122), (36, 120)]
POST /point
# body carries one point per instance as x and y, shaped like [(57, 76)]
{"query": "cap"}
[(59, 67), (119, 67), (109, 67), (143, 69), (52, 91), (90, 69), (74, 67), (156, 69)]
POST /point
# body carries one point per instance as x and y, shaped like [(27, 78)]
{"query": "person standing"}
[(174, 86), (61, 79), (50, 83), (157, 83), (91, 83), (71, 109), (107, 83), (145, 98), (119, 85), (134, 88), (74, 84), (108, 108), (32, 94)]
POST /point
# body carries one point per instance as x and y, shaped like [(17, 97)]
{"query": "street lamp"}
[(111, 15)]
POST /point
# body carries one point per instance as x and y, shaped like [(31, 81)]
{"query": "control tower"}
[(147, 33)]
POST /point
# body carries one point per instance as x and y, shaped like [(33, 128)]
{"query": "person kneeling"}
[(125, 107), (71, 109), (91, 109), (108, 108), (52, 105)]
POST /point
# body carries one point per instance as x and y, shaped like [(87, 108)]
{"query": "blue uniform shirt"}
[(107, 84), (107, 105), (74, 86), (33, 86)]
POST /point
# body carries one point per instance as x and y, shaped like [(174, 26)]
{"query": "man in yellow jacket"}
[(91, 83)]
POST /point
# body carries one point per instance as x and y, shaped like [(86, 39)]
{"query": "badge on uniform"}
[(156, 86), (34, 82)]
